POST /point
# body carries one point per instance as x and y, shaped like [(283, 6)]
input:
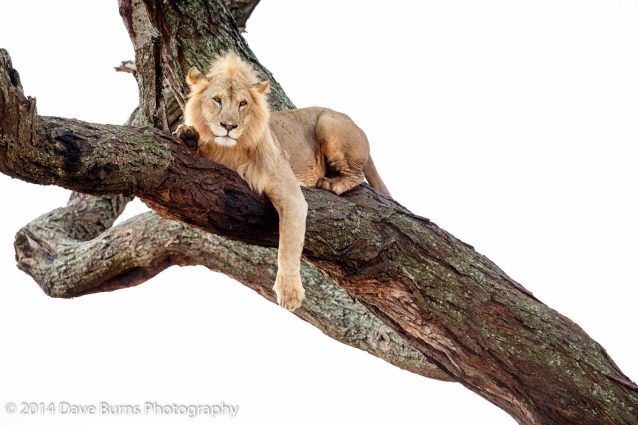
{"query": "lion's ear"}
[(262, 87), (194, 76)]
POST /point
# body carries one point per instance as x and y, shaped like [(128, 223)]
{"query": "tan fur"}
[(232, 81), (227, 114)]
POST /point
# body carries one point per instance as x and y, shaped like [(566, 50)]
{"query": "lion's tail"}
[(373, 177)]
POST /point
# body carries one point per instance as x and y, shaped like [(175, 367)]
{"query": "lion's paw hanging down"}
[(227, 118)]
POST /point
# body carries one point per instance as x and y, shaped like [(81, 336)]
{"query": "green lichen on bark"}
[(449, 302), (454, 300), (74, 250)]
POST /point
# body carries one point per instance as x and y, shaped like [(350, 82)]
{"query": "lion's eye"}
[(217, 100), (243, 103)]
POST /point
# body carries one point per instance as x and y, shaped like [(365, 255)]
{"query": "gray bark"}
[(74, 250), (449, 302)]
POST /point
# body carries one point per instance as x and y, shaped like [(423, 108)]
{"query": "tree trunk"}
[(449, 302)]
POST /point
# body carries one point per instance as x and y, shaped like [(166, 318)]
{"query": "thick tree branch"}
[(73, 251), (69, 251), (448, 301)]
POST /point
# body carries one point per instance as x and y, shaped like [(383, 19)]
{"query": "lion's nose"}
[(228, 126)]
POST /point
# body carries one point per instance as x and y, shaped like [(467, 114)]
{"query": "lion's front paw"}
[(289, 291), (188, 135)]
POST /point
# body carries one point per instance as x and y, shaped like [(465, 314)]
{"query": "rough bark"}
[(240, 11), (171, 37), (69, 252), (74, 250), (448, 301)]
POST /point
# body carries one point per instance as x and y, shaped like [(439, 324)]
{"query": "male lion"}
[(227, 114)]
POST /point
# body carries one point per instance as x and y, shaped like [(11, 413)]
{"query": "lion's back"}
[(296, 132)]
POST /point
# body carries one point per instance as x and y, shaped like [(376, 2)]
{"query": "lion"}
[(227, 117)]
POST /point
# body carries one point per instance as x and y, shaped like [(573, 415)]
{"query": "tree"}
[(424, 305)]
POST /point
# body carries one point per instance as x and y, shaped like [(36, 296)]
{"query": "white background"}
[(510, 124)]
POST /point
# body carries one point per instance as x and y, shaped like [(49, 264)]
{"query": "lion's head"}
[(229, 105)]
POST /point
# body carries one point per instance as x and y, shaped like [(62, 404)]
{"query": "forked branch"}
[(449, 302)]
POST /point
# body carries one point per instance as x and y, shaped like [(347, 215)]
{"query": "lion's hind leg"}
[(345, 149), (342, 182)]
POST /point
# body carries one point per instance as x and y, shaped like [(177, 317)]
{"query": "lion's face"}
[(225, 107), (227, 104)]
